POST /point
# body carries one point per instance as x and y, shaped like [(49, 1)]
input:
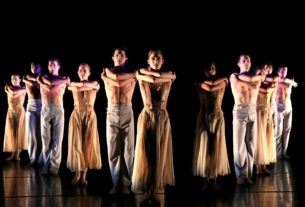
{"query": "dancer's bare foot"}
[(83, 177), (248, 181), (11, 157), (216, 187), (125, 190), (114, 190), (17, 157), (76, 178), (83, 181), (205, 185), (240, 180)]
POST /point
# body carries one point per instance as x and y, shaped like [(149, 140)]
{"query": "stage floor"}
[(22, 185)]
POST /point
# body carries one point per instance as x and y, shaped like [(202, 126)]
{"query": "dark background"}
[(189, 35)]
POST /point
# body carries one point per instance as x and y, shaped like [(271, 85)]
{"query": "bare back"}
[(33, 90), (119, 95), (244, 93)]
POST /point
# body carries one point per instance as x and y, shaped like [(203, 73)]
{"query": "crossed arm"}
[(254, 78), (29, 80), (234, 79), (277, 79), (52, 85), (14, 92), (214, 85), (154, 76), (289, 82), (119, 77), (118, 80), (84, 86), (268, 89)]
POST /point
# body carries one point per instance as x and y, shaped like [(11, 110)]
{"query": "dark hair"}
[(281, 66), (206, 69), (208, 66), (87, 65), (120, 49), (243, 55), (37, 65), (268, 63), (156, 51), (15, 74), (54, 60)]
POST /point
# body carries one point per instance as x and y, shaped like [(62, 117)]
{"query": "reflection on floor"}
[(22, 185)]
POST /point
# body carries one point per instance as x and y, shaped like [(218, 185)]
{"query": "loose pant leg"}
[(287, 123), (52, 117), (251, 140), (113, 144), (244, 140), (128, 141), (45, 137), (283, 128), (57, 137), (33, 133)]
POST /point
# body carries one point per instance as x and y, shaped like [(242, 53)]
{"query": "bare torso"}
[(283, 92), (120, 95), (55, 94), (33, 90), (244, 94)]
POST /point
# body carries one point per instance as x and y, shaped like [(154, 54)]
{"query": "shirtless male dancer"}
[(119, 87), (33, 111), (52, 89), (245, 88), (284, 112)]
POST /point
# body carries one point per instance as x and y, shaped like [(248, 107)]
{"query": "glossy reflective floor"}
[(25, 186)]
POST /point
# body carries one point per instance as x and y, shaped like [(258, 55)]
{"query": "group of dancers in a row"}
[(262, 118)]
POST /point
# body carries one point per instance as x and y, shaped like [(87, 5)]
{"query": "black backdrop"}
[(189, 36)]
